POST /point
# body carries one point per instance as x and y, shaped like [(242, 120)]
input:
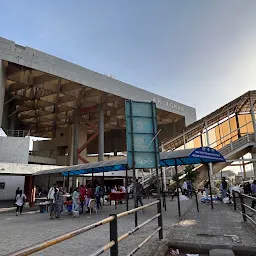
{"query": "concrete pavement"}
[(33, 227), (219, 228)]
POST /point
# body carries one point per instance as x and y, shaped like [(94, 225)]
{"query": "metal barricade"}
[(244, 206), (114, 239)]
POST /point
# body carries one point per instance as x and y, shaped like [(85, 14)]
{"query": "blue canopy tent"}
[(202, 155)]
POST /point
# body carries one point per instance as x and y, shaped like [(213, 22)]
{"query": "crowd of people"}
[(79, 199), (226, 190)]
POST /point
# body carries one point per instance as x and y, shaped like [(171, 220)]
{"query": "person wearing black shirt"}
[(224, 188)]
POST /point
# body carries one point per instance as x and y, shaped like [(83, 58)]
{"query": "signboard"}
[(207, 153), (141, 135)]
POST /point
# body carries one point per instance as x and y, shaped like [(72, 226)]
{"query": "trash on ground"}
[(174, 252), (234, 238)]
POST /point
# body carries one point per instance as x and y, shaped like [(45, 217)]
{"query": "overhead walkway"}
[(231, 130)]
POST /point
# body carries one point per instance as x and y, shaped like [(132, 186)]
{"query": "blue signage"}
[(141, 135), (207, 154)]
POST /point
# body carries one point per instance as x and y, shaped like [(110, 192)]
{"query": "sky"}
[(200, 53)]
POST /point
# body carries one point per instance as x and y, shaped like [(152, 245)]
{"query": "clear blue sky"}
[(201, 53)]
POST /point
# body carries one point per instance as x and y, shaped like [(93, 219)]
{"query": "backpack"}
[(101, 192)]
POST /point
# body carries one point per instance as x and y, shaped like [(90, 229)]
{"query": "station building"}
[(79, 111)]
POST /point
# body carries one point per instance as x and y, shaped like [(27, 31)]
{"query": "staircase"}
[(146, 181), (232, 151)]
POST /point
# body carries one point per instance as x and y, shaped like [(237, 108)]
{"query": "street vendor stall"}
[(116, 197)]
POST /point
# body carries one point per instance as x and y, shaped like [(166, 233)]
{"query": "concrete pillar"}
[(238, 126), (12, 119), (2, 90), (75, 147), (74, 182), (114, 139), (254, 162), (82, 138), (75, 141), (253, 115), (229, 129), (71, 144), (101, 134), (208, 144)]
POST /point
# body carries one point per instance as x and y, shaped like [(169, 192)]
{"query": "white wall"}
[(14, 150), (11, 184)]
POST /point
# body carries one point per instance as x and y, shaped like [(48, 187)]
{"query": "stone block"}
[(221, 252)]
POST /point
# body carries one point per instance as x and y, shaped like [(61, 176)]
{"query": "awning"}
[(201, 155)]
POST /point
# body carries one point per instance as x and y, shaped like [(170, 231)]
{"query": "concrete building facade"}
[(83, 112)]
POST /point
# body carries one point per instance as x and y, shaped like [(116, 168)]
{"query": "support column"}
[(253, 115), (244, 170), (184, 140), (208, 144), (229, 128), (115, 139), (75, 147), (163, 169), (2, 90), (238, 126), (254, 162), (101, 134), (201, 139), (75, 141)]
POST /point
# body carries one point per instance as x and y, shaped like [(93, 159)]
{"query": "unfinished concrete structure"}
[(80, 110)]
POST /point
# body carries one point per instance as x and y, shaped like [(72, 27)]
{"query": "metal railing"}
[(244, 206), (17, 133), (114, 239)]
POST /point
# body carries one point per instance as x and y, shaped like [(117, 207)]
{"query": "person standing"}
[(224, 187), (75, 199), (185, 187), (82, 191), (139, 190), (206, 189), (190, 189), (89, 195), (58, 202), (51, 198), (20, 201), (98, 195)]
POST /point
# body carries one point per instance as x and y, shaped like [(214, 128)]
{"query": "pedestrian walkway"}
[(219, 228), (31, 228)]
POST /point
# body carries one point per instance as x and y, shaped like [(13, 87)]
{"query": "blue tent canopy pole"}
[(126, 185), (103, 184), (177, 185), (210, 186), (92, 182), (68, 182)]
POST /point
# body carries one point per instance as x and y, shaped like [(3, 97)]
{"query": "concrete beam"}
[(101, 134), (2, 90)]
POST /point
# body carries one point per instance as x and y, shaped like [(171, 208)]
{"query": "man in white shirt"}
[(185, 187), (51, 198)]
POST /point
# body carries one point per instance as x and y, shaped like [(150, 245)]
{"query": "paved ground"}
[(30, 228), (208, 228)]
